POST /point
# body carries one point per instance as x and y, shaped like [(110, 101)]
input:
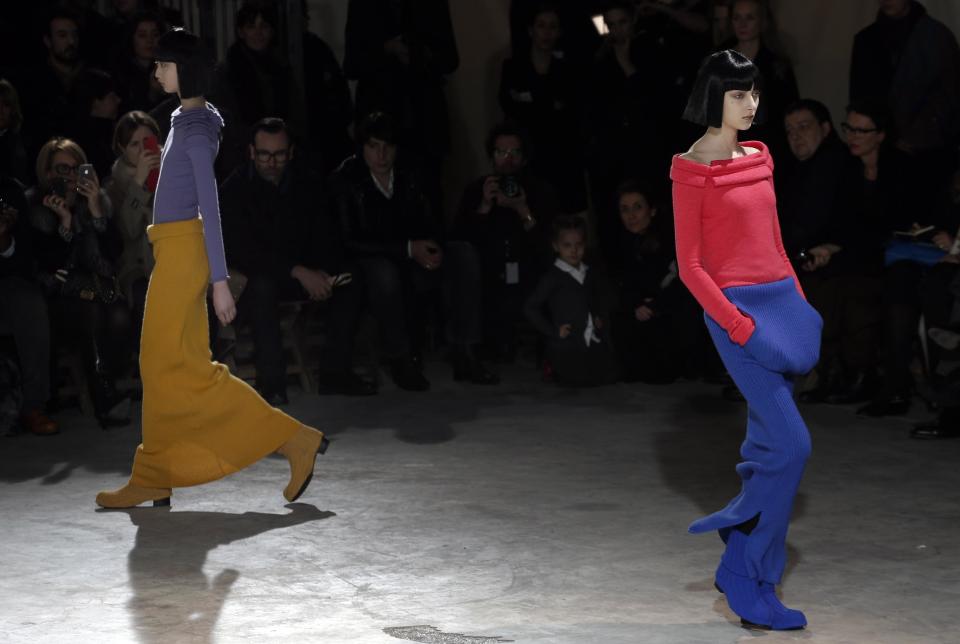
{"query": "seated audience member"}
[(878, 199), (391, 230), (656, 326), (329, 104), (538, 91), (579, 39), (70, 220), (46, 88), (808, 202), (98, 105), (280, 239), (506, 215), (755, 36), (567, 308), (132, 198), (138, 86), (13, 153), (23, 310), (255, 76), (910, 62)]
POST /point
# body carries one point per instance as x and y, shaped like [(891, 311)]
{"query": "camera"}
[(509, 186)]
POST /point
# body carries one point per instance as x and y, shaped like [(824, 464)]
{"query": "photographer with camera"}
[(75, 247), (506, 215)]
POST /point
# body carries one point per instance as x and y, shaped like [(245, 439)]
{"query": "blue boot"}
[(784, 619), (742, 593)]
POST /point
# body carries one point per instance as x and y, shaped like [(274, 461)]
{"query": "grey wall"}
[(818, 36)]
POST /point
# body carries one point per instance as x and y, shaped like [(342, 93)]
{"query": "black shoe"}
[(407, 376), (469, 369), (896, 405), (345, 383), (934, 431)]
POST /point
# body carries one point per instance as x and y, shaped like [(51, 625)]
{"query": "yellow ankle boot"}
[(131, 496), (301, 451)]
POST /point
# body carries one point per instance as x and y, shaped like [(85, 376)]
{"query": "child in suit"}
[(566, 307)]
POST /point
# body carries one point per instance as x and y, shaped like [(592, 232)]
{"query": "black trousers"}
[(23, 314), (400, 292), (259, 306), (103, 334)]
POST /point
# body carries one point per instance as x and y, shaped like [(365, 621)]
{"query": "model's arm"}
[(688, 206), (201, 149)]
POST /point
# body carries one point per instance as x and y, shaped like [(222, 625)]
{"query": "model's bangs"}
[(742, 78)]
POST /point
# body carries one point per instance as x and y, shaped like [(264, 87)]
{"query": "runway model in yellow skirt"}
[(199, 422)]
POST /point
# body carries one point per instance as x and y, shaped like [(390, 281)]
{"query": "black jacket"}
[(268, 229), (373, 225), (23, 262)]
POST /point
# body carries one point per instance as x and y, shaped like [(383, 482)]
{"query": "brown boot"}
[(36, 422), (301, 451), (131, 496)]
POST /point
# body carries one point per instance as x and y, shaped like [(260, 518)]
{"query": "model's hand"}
[(564, 330), (317, 284), (149, 160), (223, 304), (427, 253)]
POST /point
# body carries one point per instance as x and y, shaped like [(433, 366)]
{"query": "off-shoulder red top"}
[(727, 232)]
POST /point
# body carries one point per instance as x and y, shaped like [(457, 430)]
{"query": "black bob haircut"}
[(720, 73), (194, 62), (377, 125)]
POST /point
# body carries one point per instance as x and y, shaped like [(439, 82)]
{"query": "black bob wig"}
[(720, 73), (194, 63)]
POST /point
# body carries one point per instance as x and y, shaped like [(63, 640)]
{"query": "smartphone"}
[(151, 143), (86, 171)]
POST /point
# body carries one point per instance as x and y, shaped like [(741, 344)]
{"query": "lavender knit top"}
[(187, 186)]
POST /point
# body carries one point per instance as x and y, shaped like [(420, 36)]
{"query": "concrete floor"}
[(520, 513)]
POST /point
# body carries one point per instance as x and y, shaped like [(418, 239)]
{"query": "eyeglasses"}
[(64, 169), (849, 129), (265, 156), (513, 153)]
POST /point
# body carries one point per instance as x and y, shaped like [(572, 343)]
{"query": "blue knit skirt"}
[(785, 344)]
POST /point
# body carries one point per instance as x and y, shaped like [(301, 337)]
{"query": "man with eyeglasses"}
[(506, 215), (23, 309), (278, 236)]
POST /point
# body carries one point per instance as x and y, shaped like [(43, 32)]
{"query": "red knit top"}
[(728, 233)]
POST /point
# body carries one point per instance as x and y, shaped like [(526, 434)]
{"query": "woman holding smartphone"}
[(70, 214), (199, 422), (731, 257)]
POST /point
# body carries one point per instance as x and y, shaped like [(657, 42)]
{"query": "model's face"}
[(636, 213), (271, 152), (545, 31), (166, 75), (379, 155), (569, 247), (863, 137), (746, 20), (508, 155), (145, 40), (6, 114), (63, 41), (135, 146), (895, 8), (620, 25), (256, 35), (740, 108), (804, 133)]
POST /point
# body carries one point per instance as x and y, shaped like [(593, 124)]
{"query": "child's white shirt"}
[(579, 273)]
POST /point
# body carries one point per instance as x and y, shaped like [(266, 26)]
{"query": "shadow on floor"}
[(173, 599)]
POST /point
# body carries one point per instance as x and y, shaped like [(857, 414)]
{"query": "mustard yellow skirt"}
[(199, 422)]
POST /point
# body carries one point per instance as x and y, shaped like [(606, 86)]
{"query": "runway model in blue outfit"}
[(731, 257)]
